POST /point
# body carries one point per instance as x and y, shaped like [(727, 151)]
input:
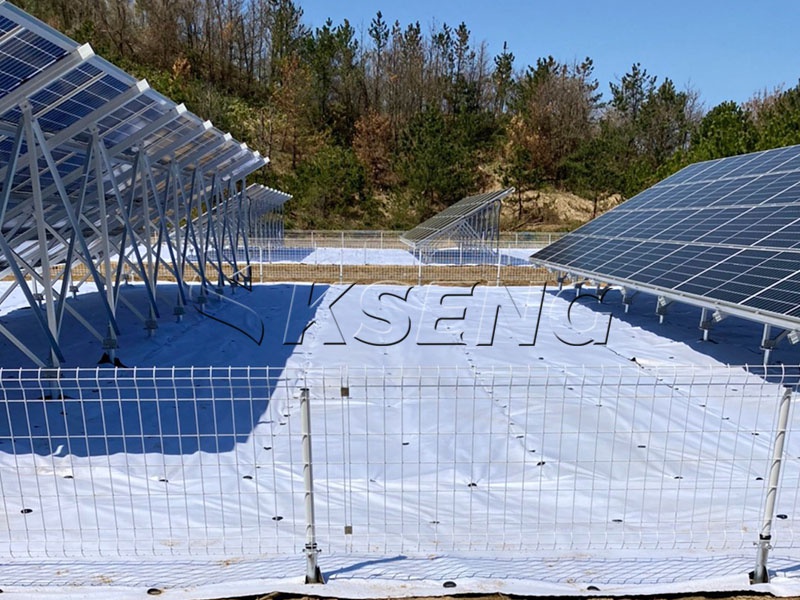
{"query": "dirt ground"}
[(539, 210)]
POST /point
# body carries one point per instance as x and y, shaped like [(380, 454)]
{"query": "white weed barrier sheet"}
[(448, 447)]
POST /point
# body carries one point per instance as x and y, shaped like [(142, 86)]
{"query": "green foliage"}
[(328, 189), (338, 86), (503, 79), (385, 128), (663, 125), (726, 130), (607, 164), (646, 132), (779, 121), (286, 33), (437, 161), (555, 105), (630, 94)]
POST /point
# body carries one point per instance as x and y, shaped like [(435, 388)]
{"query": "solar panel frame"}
[(79, 91), (720, 234), (269, 198), (67, 102), (451, 217)]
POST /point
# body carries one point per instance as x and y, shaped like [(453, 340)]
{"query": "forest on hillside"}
[(382, 128)]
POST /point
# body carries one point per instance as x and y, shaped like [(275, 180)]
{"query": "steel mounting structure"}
[(105, 180)]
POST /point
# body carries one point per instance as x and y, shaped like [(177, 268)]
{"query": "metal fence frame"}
[(380, 256), (68, 463), (387, 238)]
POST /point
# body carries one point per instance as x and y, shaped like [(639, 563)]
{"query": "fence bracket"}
[(760, 573), (313, 573)]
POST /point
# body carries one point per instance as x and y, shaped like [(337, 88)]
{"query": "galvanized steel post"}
[(760, 574), (313, 574)]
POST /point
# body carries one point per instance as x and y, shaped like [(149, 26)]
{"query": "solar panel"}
[(94, 163), (451, 217), (267, 198), (265, 212), (722, 233)]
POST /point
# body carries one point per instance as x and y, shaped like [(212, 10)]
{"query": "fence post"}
[(341, 261), (760, 574), (499, 263), (313, 574)]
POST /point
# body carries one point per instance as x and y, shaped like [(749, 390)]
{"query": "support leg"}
[(706, 323), (767, 344)]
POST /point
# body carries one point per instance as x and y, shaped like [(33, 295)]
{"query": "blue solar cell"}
[(642, 200), (57, 91), (686, 174), (701, 261), (764, 162), (608, 251), (772, 231), (642, 254), (618, 223), (791, 162), (715, 193), (787, 237), (23, 56), (728, 167), (6, 24), (790, 195), (680, 194), (565, 253), (675, 254), (787, 290), (727, 230), (742, 288), (724, 295), (14, 70), (651, 225), (762, 189), (771, 304), (6, 146)]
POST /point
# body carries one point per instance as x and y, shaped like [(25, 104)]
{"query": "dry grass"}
[(366, 274)]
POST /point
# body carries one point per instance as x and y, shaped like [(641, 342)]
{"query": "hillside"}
[(383, 128), (542, 210)]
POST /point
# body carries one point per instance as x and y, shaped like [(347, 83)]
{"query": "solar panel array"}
[(265, 212), (95, 163), (265, 199), (73, 95), (725, 231), (453, 217)]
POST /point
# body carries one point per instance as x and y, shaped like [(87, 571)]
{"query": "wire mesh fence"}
[(421, 274), (391, 239), (143, 462), (363, 257), (349, 256), (208, 462)]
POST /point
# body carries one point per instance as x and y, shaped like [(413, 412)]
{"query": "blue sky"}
[(727, 50)]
